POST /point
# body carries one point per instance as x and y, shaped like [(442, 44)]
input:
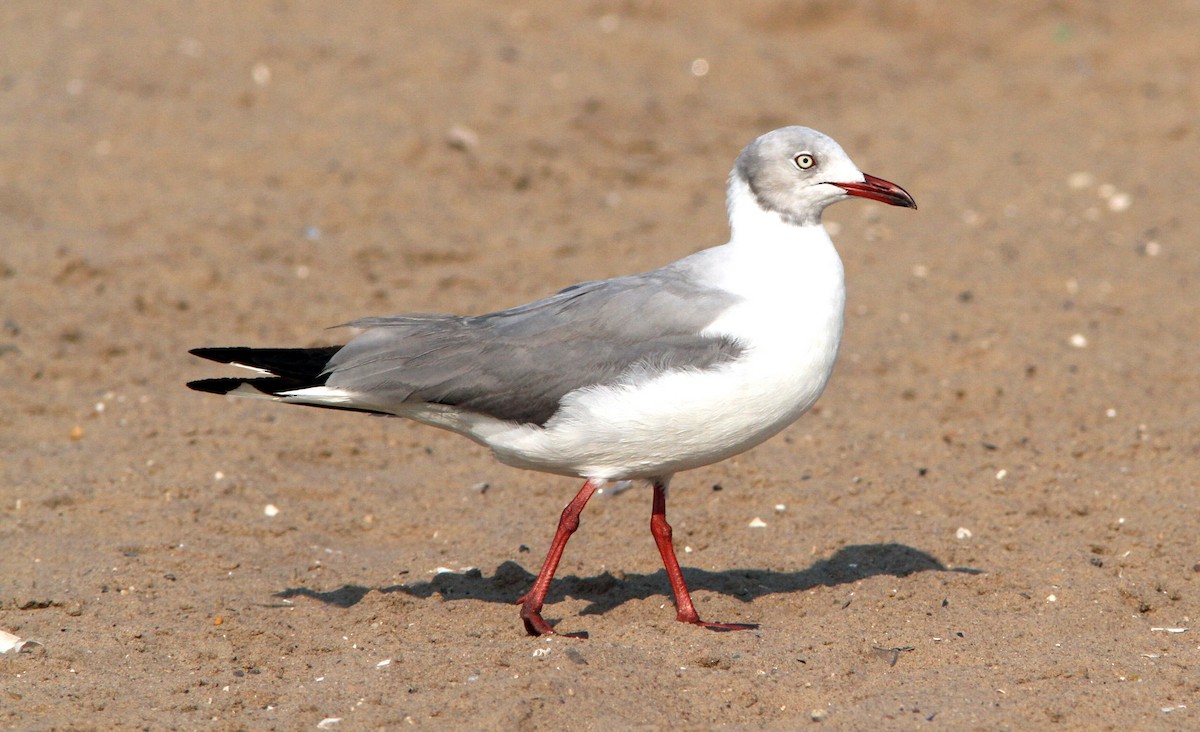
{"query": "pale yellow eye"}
[(804, 160)]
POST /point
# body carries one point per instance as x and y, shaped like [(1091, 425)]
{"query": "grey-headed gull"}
[(629, 379)]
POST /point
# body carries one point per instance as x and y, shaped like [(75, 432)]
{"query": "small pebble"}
[(462, 138), (271, 510), (261, 73), (757, 523), (76, 433), (962, 533), (1078, 340), (8, 641), (1080, 180)]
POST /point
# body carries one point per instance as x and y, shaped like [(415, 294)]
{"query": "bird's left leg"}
[(686, 611)]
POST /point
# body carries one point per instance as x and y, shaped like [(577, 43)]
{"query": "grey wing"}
[(518, 364)]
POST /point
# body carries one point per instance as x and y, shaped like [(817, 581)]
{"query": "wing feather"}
[(518, 364)]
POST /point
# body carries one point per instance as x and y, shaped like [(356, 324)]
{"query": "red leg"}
[(686, 611), (531, 602)]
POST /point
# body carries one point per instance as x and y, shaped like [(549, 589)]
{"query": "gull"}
[(634, 378)]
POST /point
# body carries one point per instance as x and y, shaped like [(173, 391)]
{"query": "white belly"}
[(683, 419)]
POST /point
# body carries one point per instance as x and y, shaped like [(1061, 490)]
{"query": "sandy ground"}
[(989, 522)]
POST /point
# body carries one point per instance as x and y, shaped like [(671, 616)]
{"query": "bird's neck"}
[(768, 258), (752, 226)]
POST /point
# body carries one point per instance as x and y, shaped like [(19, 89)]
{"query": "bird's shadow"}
[(606, 591)]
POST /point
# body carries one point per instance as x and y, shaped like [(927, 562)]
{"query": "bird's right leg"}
[(531, 602)]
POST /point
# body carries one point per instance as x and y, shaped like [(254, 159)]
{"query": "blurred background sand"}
[(1000, 479)]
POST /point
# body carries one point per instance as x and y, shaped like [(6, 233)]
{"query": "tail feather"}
[(272, 387), (267, 386), (305, 365), (286, 371)]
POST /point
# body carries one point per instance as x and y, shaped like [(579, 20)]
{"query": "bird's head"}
[(796, 172)]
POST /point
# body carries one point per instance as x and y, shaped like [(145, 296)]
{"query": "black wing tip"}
[(220, 354), (299, 364), (215, 386)]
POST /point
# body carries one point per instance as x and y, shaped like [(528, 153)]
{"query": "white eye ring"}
[(804, 160)]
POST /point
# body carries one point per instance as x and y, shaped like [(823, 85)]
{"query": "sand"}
[(988, 522)]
